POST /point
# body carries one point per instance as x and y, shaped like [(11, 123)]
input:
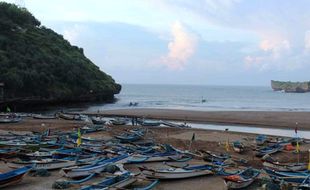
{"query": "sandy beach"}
[(208, 140), (269, 119)]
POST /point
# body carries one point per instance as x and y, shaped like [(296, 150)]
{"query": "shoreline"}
[(263, 119)]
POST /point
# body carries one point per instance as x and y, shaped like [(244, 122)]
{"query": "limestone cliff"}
[(298, 87)]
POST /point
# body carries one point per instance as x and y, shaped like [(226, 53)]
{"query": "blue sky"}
[(203, 42)]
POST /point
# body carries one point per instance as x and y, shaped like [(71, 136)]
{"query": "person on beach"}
[(132, 121), (136, 121)]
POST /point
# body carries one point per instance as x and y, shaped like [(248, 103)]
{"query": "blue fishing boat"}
[(96, 167), (14, 176), (117, 181), (260, 139), (294, 178), (177, 173), (238, 146), (158, 157), (269, 150), (241, 179), (132, 136)]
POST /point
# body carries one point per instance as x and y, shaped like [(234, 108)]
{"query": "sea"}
[(206, 98), (211, 98)]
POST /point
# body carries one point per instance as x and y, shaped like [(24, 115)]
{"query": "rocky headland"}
[(39, 66), (297, 87)]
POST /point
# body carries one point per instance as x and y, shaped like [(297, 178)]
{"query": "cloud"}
[(307, 40), (282, 27), (181, 47)]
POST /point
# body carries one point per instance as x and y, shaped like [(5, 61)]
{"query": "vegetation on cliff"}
[(37, 62), (290, 86)]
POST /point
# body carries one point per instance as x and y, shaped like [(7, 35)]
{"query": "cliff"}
[(39, 65), (298, 87)]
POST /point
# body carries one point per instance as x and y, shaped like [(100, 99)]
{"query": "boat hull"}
[(238, 185), (182, 174), (285, 167), (46, 166)]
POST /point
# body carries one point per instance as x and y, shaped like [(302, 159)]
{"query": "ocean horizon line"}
[(207, 85)]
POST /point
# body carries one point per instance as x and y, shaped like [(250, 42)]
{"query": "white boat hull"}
[(284, 168), (175, 174), (46, 166)]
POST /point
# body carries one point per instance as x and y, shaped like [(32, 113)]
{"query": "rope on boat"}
[(40, 173), (111, 168), (61, 185), (269, 184)]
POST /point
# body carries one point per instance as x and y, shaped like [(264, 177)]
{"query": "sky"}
[(201, 42)]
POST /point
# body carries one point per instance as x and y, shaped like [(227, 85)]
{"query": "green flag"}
[(79, 139)]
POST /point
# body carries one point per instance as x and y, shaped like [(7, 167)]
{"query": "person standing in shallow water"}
[(136, 121), (133, 121)]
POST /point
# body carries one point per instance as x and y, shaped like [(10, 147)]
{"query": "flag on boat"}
[(193, 137), (79, 139), (297, 147), (227, 146), (309, 161)]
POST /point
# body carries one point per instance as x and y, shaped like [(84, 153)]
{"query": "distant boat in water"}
[(133, 104)]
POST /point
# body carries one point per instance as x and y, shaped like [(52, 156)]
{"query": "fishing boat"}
[(241, 179), (92, 128), (119, 121), (117, 182), (38, 154), (293, 178), (150, 123), (48, 164), (96, 167), (69, 116), (8, 152), (150, 186), (160, 157), (238, 146), (175, 125), (176, 173), (270, 163), (212, 157), (40, 116), (260, 139), (133, 135), (269, 150), (98, 120), (10, 120), (134, 148), (14, 176)]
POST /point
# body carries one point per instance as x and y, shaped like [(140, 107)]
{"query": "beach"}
[(207, 140), (268, 119)]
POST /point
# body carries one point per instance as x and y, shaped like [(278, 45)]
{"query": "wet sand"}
[(285, 120)]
